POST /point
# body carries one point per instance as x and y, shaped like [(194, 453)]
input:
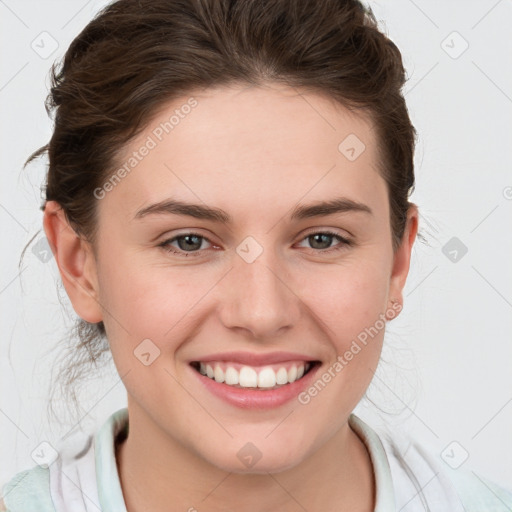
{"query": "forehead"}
[(249, 146)]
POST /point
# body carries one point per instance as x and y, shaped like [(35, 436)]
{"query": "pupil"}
[(188, 244), (319, 236)]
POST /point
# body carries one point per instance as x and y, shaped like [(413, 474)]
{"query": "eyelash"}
[(167, 247)]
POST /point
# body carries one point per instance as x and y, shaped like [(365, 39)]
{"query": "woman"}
[(227, 203)]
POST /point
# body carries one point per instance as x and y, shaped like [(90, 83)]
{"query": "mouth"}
[(262, 378)]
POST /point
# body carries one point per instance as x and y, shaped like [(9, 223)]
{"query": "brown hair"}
[(136, 55)]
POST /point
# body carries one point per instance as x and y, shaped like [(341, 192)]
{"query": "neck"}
[(156, 471)]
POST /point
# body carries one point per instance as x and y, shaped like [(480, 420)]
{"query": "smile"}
[(245, 376)]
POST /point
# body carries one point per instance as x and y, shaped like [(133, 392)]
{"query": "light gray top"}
[(408, 479)]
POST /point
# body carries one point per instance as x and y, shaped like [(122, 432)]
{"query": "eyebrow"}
[(198, 211)]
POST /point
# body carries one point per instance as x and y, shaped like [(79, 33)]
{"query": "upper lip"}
[(254, 359)]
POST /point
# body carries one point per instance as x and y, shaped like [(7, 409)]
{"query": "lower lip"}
[(246, 398)]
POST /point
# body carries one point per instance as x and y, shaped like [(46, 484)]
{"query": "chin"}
[(260, 468), (258, 458)]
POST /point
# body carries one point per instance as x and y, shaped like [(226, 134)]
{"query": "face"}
[(254, 284)]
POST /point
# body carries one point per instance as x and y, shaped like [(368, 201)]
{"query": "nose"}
[(260, 297)]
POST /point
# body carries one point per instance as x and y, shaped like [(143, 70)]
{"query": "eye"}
[(187, 244), (321, 241), (190, 244)]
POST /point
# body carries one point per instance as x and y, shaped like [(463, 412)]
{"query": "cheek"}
[(149, 301), (348, 297), (350, 300), (164, 303)]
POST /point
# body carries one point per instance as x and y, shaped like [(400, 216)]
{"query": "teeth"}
[(282, 376), (292, 374), (218, 374), (267, 378), (231, 376), (248, 377)]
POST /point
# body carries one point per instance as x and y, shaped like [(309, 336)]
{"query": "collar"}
[(109, 486)]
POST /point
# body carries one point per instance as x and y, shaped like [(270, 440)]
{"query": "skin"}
[(241, 148)]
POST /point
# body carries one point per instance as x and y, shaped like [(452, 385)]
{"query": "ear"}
[(401, 261), (76, 262)]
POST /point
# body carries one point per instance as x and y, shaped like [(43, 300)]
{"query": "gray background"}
[(447, 380)]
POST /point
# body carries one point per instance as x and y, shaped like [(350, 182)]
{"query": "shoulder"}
[(414, 477), (422, 475), (71, 481), (61, 485), (477, 493), (28, 491)]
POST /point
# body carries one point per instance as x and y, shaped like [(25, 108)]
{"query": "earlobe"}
[(402, 259), (76, 262)]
